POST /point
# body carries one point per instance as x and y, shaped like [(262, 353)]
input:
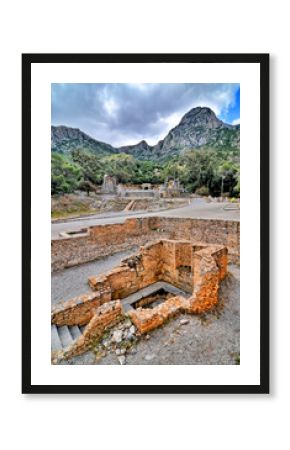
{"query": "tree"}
[(92, 166), (87, 186), (65, 175), (229, 175)]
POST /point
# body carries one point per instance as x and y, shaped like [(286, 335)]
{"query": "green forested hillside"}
[(204, 168), (201, 151)]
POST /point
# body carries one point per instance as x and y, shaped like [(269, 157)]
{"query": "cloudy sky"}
[(122, 114)]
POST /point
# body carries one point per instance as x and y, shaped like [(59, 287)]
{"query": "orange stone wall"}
[(148, 319), (133, 274), (207, 231), (157, 261), (106, 316), (206, 266), (104, 240), (79, 310)]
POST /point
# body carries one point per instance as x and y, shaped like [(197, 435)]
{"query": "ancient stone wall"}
[(106, 316), (209, 231), (195, 268), (105, 240), (79, 310), (148, 319), (133, 274), (100, 241), (177, 263), (209, 267)]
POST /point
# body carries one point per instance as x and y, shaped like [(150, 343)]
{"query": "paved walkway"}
[(198, 208), (69, 283)]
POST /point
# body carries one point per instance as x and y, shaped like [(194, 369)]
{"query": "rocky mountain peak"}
[(201, 117), (143, 144), (199, 127)]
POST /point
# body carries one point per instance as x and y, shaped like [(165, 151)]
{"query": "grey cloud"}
[(123, 114)]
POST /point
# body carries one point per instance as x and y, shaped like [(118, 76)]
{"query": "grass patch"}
[(71, 213)]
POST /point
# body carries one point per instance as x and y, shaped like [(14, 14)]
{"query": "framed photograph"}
[(145, 252)]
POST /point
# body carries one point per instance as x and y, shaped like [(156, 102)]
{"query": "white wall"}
[(131, 26)]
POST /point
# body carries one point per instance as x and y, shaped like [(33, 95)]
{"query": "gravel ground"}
[(212, 338), (69, 283)]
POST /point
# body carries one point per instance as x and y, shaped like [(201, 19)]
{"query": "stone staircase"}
[(130, 206), (64, 336)]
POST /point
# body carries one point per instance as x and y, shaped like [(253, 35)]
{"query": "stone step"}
[(75, 332), (55, 340), (65, 336)]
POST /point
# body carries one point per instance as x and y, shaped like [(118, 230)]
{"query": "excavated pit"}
[(152, 300), (152, 296), (165, 278)]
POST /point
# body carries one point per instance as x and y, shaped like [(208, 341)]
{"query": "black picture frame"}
[(263, 61)]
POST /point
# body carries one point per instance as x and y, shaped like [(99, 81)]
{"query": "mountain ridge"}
[(199, 127), (64, 139)]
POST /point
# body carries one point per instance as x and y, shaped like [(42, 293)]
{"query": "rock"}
[(150, 357), (122, 351), (125, 334), (127, 323), (122, 360), (147, 337), (198, 127), (130, 335), (118, 352), (117, 336), (132, 329), (184, 321)]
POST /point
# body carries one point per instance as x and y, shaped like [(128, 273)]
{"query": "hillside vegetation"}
[(201, 151)]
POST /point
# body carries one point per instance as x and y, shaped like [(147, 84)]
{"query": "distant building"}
[(109, 185), (171, 188), (146, 186)]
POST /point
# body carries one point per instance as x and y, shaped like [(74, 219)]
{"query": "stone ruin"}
[(146, 186), (165, 278), (171, 189), (109, 185), (146, 191), (98, 241)]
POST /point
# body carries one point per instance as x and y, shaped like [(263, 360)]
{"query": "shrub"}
[(203, 190)]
